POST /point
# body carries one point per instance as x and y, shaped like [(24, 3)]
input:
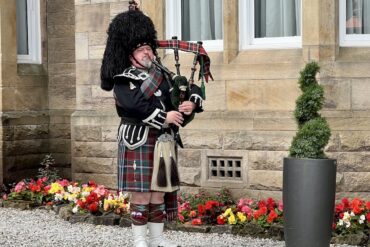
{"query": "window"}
[(28, 31), (354, 22), (270, 23), (194, 20)]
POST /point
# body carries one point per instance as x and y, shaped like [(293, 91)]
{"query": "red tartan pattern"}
[(190, 47), (139, 179)]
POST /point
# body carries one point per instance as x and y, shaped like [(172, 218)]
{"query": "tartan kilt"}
[(135, 167)]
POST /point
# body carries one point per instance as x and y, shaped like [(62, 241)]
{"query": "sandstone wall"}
[(248, 118)]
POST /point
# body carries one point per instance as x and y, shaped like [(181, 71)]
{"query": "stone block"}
[(265, 180), (352, 161), (348, 124), (61, 6), (258, 95), (189, 158), (61, 31), (258, 140), (12, 148), (87, 133), (62, 43), (92, 18), (60, 145), (352, 70), (98, 38), (61, 56), (190, 176), (62, 131), (266, 160), (201, 139), (65, 17), (215, 96), (109, 133), (82, 46), (277, 124), (7, 133), (95, 149), (357, 181), (118, 7), (94, 165), (62, 97), (360, 94), (96, 51), (88, 72), (29, 132), (62, 69), (19, 204), (65, 213), (62, 80), (82, 2)]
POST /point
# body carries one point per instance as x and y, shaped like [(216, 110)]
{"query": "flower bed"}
[(197, 212)]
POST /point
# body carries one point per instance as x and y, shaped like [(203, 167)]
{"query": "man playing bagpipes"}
[(152, 103)]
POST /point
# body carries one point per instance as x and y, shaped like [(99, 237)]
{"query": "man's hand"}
[(187, 107), (175, 118)]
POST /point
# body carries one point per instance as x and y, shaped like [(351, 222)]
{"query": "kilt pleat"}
[(135, 167)]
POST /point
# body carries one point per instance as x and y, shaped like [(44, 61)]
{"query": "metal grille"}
[(225, 168)]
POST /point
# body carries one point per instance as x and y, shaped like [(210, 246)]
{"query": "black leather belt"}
[(134, 121)]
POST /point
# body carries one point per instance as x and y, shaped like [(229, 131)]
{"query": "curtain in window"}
[(277, 18), (201, 20), (358, 16), (22, 27)]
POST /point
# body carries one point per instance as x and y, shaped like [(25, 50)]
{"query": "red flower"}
[(92, 183), (197, 221), (201, 209), (272, 215), (345, 202), (368, 205), (81, 204), (270, 203), (34, 187), (368, 217), (260, 212), (339, 208), (221, 220), (357, 206), (93, 207), (210, 204), (262, 204), (93, 197)]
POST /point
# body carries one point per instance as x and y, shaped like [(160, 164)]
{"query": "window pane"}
[(22, 28), (201, 20), (358, 16), (277, 18)]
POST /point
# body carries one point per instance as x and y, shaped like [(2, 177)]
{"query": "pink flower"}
[(20, 186), (101, 190), (63, 183), (281, 206), (247, 210)]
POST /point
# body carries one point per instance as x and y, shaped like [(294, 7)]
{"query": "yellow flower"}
[(226, 213), (231, 219), (55, 187), (241, 216)]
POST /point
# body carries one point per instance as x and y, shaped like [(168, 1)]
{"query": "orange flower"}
[(197, 221), (193, 214)]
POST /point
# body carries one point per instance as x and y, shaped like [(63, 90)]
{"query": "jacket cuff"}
[(198, 101), (156, 119)]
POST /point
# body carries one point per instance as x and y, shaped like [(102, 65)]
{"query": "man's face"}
[(143, 57)]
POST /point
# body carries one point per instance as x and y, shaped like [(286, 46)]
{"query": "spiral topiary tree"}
[(313, 130)]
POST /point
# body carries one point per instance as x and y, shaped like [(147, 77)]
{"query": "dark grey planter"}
[(309, 201)]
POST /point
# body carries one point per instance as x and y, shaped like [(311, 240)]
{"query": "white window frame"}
[(173, 26), (247, 40), (34, 34), (349, 39)]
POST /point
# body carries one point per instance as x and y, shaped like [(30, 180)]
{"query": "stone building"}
[(51, 101)]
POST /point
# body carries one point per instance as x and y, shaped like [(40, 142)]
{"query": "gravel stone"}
[(38, 227)]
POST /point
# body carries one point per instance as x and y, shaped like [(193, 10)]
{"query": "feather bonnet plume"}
[(127, 31)]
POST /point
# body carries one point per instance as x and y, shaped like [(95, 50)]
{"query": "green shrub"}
[(313, 130)]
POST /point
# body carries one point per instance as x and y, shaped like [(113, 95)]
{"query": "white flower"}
[(58, 197), (346, 217), (340, 223), (75, 209), (348, 224), (352, 214), (361, 220), (85, 193)]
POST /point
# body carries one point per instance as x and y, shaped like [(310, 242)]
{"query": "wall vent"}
[(225, 168)]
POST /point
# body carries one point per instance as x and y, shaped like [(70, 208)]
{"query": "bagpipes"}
[(200, 57)]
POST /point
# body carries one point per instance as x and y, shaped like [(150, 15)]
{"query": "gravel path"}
[(42, 228)]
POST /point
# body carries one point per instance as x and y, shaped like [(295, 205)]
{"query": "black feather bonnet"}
[(127, 31)]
